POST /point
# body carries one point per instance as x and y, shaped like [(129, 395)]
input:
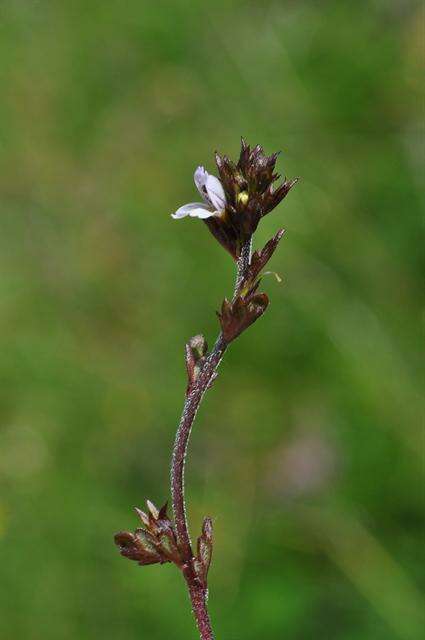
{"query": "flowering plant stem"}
[(232, 208), (197, 591)]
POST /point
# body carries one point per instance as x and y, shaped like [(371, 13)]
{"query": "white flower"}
[(212, 192)]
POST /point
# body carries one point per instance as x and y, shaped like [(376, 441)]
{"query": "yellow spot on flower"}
[(243, 197)]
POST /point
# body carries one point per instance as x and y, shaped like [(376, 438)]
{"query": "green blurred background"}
[(307, 451)]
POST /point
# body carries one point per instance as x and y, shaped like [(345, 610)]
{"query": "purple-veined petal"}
[(215, 193), (188, 209)]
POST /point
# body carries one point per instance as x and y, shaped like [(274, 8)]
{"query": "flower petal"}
[(187, 209), (200, 177), (202, 213), (210, 189), (215, 193)]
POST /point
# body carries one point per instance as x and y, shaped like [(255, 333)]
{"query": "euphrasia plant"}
[(232, 207)]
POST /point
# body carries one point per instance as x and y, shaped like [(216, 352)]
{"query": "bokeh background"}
[(307, 452)]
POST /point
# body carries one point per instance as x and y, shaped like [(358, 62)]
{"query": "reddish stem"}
[(198, 593)]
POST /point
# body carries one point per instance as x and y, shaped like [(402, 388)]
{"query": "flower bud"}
[(196, 351), (155, 543)]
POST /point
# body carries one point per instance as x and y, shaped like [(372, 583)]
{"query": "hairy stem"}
[(198, 593), (191, 405), (243, 264)]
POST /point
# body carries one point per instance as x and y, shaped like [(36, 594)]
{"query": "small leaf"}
[(238, 315), (205, 553), (205, 549), (260, 258), (163, 512), (207, 528), (124, 539), (143, 516), (146, 540), (152, 509), (169, 548), (131, 547), (167, 544)]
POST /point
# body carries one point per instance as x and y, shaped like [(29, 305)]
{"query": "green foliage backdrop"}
[(307, 451)]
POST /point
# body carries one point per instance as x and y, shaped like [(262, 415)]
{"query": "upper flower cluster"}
[(233, 205)]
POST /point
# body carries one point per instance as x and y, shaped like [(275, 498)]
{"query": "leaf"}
[(204, 549), (146, 540), (132, 547), (260, 258), (163, 512), (143, 516), (152, 509), (238, 315)]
